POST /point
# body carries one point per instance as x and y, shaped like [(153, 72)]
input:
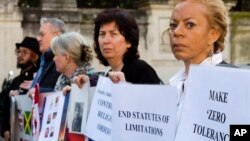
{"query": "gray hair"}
[(75, 45), (56, 23)]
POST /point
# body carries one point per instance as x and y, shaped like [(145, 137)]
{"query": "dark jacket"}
[(24, 75), (49, 76), (139, 72)]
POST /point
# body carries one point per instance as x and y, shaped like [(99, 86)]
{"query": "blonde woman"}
[(197, 32)]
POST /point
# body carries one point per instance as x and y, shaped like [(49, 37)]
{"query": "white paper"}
[(78, 108), (216, 97), (144, 112), (100, 116), (41, 103), (52, 116)]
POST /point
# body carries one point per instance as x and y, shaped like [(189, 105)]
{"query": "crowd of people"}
[(57, 58)]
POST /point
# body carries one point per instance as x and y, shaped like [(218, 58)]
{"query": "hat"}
[(30, 43)]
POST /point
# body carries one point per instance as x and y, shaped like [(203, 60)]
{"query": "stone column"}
[(10, 33), (239, 39), (157, 50), (227, 53)]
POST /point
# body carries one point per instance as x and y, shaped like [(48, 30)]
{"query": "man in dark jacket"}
[(28, 55), (47, 75)]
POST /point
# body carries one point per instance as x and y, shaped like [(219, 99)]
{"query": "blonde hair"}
[(75, 45), (216, 18)]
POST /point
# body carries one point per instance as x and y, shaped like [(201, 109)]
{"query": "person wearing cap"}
[(28, 58)]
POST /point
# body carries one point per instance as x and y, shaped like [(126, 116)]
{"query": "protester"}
[(28, 55), (116, 38), (28, 59), (73, 56), (196, 37), (47, 74)]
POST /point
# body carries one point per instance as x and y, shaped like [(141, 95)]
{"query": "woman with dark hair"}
[(116, 38)]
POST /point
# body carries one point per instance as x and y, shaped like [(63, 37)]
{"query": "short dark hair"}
[(127, 26)]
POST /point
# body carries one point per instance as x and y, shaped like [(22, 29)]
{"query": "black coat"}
[(5, 107), (24, 75), (49, 76), (139, 72)]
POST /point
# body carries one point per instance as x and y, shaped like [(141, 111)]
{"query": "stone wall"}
[(10, 33), (157, 50), (240, 38)]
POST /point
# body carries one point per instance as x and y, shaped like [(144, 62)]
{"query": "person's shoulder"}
[(225, 64), (143, 73), (141, 66), (49, 55), (16, 78), (139, 62)]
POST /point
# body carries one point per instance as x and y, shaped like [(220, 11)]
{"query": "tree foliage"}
[(29, 3), (104, 3), (242, 5)]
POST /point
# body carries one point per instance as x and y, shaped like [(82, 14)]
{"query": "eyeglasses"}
[(21, 52)]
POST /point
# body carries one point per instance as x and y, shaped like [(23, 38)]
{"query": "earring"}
[(210, 54)]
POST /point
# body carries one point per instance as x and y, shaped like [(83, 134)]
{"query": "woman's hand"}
[(117, 77), (14, 92), (66, 89), (80, 80), (6, 135), (31, 93), (26, 84)]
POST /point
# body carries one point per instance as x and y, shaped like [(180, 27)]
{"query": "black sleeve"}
[(4, 111), (6, 116)]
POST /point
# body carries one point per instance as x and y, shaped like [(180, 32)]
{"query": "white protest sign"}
[(54, 117), (216, 97), (100, 116), (144, 112), (78, 108)]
